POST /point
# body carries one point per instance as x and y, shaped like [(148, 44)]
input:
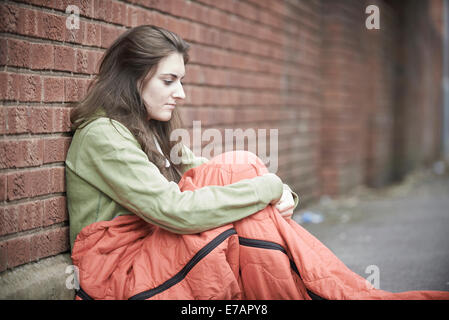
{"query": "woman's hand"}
[(286, 204)]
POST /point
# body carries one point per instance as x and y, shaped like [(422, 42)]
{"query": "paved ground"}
[(403, 230)]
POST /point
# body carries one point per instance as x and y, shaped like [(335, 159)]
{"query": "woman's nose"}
[(179, 92)]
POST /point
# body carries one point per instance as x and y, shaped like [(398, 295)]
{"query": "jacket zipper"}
[(184, 271), (263, 244)]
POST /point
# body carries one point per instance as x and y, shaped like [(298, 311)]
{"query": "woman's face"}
[(163, 90)]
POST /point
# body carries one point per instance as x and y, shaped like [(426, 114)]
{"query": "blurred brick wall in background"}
[(310, 69), (419, 71), (358, 101)]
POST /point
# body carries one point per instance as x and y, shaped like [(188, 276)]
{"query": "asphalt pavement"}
[(396, 237)]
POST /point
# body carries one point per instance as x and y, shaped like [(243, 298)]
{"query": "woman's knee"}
[(225, 168), (239, 160), (236, 157)]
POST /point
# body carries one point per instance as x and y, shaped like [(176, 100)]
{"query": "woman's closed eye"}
[(168, 82)]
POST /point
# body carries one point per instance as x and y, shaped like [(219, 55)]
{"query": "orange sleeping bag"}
[(262, 256)]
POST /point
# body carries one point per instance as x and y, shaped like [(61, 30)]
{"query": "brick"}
[(53, 89), (41, 245), (30, 215), (60, 240), (102, 10), (23, 153), (18, 53), (41, 120), (28, 22), (61, 120), (64, 58), (108, 35), (159, 19), (49, 242), (42, 56), (8, 154), (32, 183), (50, 26), (55, 149), (39, 182), (31, 152), (55, 211), (94, 58), (3, 51), (74, 89), (86, 61), (17, 119), (81, 61), (3, 115), (9, 18), (92, 36), (188, 115), (18, 251), (3, 186), (30, 88), (139, 16), (3, 256), (57, 180), (17, 187), (3, 85), (119, 13), (10, 86), (75, 35), (8, 220)]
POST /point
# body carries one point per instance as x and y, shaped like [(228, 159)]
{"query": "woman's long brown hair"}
[(133, 56)]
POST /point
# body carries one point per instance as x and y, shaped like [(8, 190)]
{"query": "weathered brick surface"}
[(40, 119), (310, 69)]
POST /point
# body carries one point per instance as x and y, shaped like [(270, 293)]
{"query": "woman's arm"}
[(114, 163)]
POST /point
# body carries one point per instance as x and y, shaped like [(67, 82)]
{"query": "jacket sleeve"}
[(111, 160), (189, 160), (294, 194)]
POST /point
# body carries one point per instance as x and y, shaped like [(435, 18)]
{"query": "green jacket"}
[(108, 174)]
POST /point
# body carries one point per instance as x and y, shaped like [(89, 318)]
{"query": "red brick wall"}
[(382, 91), (358, 66), (300, 88), (307, 68), (344, 108)]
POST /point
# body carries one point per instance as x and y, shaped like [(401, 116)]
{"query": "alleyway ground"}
[(403, 230)]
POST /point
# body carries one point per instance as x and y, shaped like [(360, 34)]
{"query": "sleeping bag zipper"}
[(184, 271), (82, 294), (263, 244)]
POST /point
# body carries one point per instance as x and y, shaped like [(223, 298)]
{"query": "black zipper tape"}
[(82, 294), (261, 244), (184, 271), (264, 244)]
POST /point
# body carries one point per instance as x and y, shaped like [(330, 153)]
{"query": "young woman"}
[(118, 162), (144, 226)]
